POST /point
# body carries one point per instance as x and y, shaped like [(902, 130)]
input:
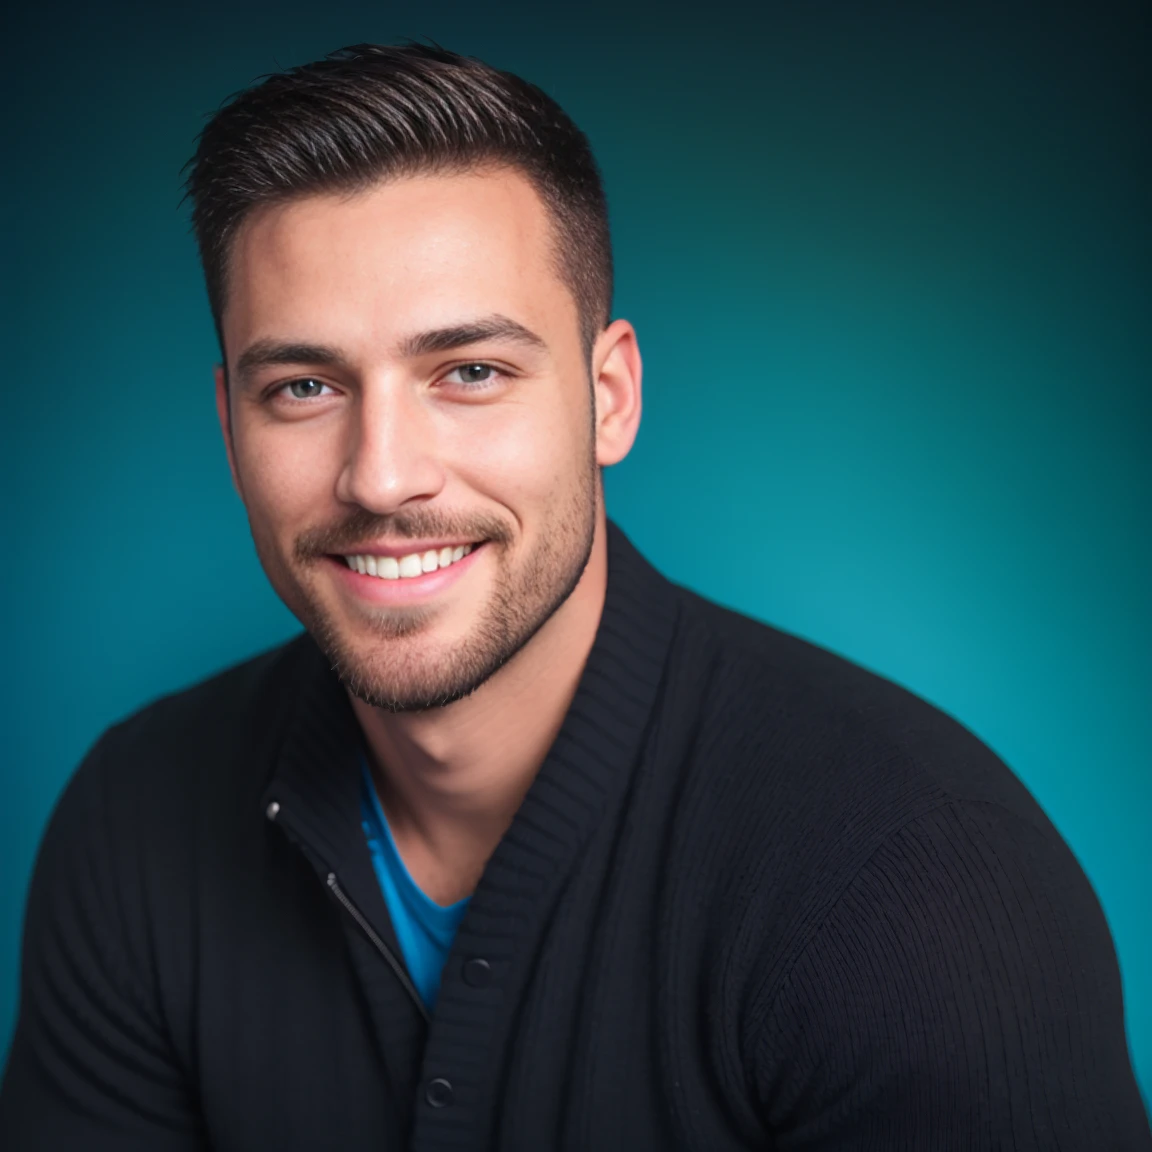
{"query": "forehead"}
[(405, 255)]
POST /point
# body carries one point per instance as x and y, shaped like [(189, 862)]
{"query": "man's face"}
[(407, 383)]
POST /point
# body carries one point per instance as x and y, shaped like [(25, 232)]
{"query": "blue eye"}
[(305, 389), (471, 374)]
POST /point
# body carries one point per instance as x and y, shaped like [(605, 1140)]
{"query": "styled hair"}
[(373, 112)]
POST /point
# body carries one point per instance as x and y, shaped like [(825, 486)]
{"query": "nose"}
[(392, 455)]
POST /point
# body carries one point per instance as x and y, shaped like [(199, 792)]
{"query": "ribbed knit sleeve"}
[(962, 993), (90, 1066)]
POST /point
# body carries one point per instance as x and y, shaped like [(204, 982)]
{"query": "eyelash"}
[(477, 385), (281, 390)]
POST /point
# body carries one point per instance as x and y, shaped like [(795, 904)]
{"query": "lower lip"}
[(405, 589)]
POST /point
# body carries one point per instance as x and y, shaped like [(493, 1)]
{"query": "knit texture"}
[(756, 897)]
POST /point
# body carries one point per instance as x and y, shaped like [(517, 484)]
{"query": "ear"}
[(224, 415), (617, 370)]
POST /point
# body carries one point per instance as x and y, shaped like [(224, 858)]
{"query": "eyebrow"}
[(495, 327), (270, 352)]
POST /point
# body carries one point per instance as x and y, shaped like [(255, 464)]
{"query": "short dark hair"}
[(374, 111)]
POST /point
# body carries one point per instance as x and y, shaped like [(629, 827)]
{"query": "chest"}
[(586, 1029)]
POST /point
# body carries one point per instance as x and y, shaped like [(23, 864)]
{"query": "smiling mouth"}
[(407, 567)]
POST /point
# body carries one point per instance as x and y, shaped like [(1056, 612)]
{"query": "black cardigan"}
[(756, 897)]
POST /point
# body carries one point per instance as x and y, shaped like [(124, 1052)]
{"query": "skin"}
[(382, 445)]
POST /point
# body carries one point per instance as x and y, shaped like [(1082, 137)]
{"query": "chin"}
[(412, 677)]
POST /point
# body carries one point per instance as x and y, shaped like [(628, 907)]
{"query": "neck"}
[(451, 779)]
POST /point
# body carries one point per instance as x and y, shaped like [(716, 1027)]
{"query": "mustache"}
[(361, 526)]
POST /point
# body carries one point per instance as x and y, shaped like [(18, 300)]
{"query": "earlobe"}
[(616, 361), (224, 415)]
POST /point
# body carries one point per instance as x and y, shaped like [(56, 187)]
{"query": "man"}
[(519, 846)]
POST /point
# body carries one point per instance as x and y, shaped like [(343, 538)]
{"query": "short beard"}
[(521, 603)]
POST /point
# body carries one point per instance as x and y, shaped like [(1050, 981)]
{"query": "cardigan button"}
[(273, 810), (438, 1093), (478, 973)]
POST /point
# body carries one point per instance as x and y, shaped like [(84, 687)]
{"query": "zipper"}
[(381, 947)]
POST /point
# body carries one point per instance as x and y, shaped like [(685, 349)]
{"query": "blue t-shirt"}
[(424, 928)]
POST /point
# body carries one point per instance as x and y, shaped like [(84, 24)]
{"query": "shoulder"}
[(794, 716), (158, 796), (894, 907), (152, 779), (801, 769), (243, 696), (238, 712)]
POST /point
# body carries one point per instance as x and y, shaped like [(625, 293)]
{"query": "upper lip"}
[(405, 548)]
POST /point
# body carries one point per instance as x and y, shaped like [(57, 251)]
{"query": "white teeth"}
[(389, 568)]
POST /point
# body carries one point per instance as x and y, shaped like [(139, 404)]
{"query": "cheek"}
[(523, 452), (288, 472)]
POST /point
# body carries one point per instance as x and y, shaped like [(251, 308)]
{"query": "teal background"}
[(890, 266)]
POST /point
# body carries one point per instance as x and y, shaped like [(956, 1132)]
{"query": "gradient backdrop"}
[(890, 265)]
